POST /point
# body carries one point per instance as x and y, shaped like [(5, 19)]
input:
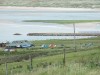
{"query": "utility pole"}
[(74, 36)]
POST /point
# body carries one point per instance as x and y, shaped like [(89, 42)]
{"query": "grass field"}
[(53, 3), (63, 21), (77, 63), (84, 61)]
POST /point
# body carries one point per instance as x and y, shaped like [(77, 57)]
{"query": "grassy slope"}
[(63, 21), (84, 62), (77, 63), (52, 3), (67, 44)]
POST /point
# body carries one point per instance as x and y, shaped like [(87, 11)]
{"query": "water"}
[(11, 22), (33, 15)]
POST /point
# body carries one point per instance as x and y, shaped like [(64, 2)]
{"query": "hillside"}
[(52, 3), (85, 60)]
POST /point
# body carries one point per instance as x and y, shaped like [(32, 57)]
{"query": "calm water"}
[(19, 15), (11, 22)]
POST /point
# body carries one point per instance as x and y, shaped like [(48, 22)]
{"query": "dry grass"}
[(53, 3)]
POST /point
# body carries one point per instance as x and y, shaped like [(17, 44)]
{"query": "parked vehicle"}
[(20, 44)]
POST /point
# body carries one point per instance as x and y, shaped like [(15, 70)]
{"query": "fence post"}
[(6, 66), (31, 65), (64, 59)]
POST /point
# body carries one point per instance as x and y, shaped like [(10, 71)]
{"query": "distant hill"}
[(53, 3)]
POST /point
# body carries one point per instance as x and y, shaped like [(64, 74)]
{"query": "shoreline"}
[(47, 8)]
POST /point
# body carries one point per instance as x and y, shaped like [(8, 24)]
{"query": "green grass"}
[(77, 63), (63, 21), (52, 3), (83, 62), (68, 44)]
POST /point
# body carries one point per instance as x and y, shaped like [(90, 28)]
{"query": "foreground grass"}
[(63, 21), (71, 69), (77, 63), (82, 62)]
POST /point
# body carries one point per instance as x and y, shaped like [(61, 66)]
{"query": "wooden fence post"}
[(64, 59), (31, 65), (6, 66)]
